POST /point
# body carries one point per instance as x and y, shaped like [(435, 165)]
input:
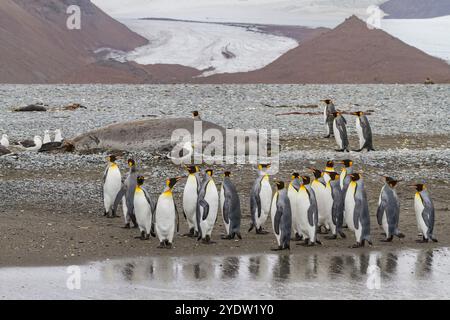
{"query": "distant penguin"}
[(328, 116), (388, 212), (334, 194), (127, 192), (294, 198), (308, 213), (329, 167), (166, 217), (58, 136), (207, 206), (231, 208), (46, 137), (364, 132), (424, 208), (112, 183), (4, 141), (324, 203), (340, 132), (34, 145), (281, 217), (260, 200), (190, 197), (357, 210), (144, 208)]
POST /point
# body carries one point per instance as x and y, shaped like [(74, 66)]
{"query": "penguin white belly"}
[(337, 135), (143, 212), (273, 211), (328, 207), (212, 198), (319, 190), (358, 232), (190, 201), (419, 207), (350, 206), (265, 195), (111, 188), (359, 129), (294, 200), (308, 231), (342, 178), (385, 224), (222, 203), (165, 218)]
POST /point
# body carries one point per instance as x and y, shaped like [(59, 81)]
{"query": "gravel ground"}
[(50, 204)]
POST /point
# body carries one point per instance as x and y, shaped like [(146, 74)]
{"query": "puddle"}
[(407, 274)]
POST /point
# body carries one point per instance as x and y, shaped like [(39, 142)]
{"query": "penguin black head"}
[(227, 173), (336, 114), (295, 175), (140, 180), (263, 166), (317, 173), (357, 113), (195, 114), (333, 175), (209, 172), (131, 163), (355, 176), (330, 164), (280, 185), (391, 181), (193, 169), (419, 187), (347, 163), (112, 158), (306, 180), (172, 182), (327, 101)]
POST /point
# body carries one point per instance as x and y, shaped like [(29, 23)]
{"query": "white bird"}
[(34, 145), (46, 137), (5, 142), (58, 136)]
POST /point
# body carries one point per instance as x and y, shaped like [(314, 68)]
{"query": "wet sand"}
[(58, 226)]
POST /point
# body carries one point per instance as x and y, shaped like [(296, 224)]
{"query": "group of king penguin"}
[(299, 211)]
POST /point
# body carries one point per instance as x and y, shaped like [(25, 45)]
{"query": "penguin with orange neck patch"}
[(166, 217), (424, 208)]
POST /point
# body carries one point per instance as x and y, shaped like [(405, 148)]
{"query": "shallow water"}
[(407, 274)]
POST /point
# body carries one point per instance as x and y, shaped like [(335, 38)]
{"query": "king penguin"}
[(357, 211), (112, 183), (388, 212), (364, 132), (345, 174), (207, 206), (127, 191), (166, 217), (190, 197), (329, 167), (334, 194), (260, 199), (324, 203), (231, 208), (144, 208), (294, 198), (328, 116), (340, 132), (424, 208), (281, 217), (308, 213)]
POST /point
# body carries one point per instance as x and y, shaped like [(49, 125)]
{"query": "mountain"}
[(37, 47), (350, 53), (416, 9)]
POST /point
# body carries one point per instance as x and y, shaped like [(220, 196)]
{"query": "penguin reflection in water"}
[(166, 216), (144, 209), (281, 217), (357, 210), (207, 206), (340, 132), (231, 208), (424, 208), (388, 212), (364, 132), (260, 200)]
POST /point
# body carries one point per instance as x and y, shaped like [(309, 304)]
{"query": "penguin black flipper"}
[(313, 217), (380, 212), (367, 133), (428, 214), (205, 207), (177, 217), (119, 197), (277, 219), (227, 208)]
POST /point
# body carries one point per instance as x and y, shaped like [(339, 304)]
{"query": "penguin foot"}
[(388, 239), (169, 245), (434, 239), (305, 243), (190, 234), (126, 226), (238, 234), (147, 237), (162, 245), (226, 237), (318, 242), (153, 234), (357, 245), (319, 230), (261, 231), (207, 240), (297, 237), (400, 235), (332, 237), (343, 236), (327, 137), (105, 213), (251, 228), (383, 234), (277, 249), (135, 226)]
